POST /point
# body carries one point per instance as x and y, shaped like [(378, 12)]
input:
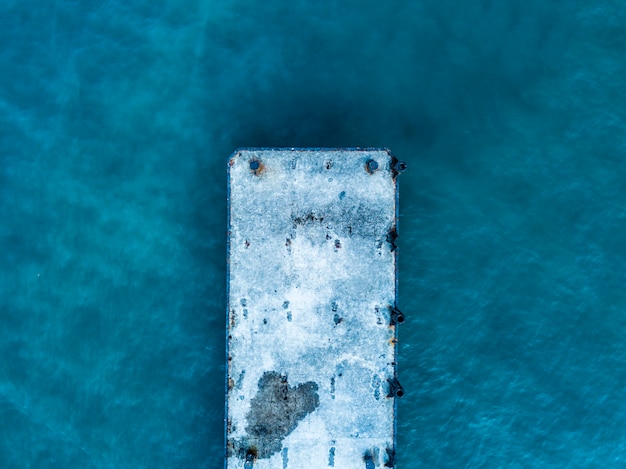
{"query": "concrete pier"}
[(311, 380)]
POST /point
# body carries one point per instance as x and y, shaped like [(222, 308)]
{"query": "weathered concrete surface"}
[(312, 277)]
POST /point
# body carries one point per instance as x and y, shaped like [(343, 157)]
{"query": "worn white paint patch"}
[(312, 275)]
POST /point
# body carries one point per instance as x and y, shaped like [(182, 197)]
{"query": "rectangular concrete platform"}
[(311, 321)]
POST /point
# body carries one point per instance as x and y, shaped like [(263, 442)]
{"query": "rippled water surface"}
[(116, 118)]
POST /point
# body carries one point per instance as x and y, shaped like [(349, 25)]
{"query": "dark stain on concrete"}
[(275, 412), (306, 218), (391, 457)]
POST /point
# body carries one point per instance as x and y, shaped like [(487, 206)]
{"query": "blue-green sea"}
[(116, 119)]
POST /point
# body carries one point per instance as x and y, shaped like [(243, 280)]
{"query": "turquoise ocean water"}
[(116, 118)]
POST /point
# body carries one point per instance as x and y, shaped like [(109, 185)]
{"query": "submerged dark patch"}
[(275, 412)]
